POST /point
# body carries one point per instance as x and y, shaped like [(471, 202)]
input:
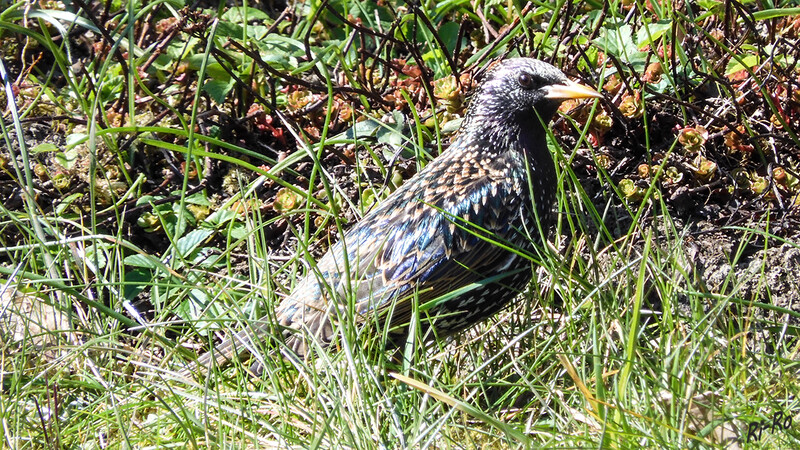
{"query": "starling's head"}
[(514, 91)]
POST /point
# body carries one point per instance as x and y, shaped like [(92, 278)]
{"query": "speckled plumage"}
[(446, 228)]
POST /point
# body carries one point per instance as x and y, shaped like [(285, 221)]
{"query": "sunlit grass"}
[(622, 340)]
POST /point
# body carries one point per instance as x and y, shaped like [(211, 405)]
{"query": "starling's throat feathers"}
[(514, 103), (447, 228)]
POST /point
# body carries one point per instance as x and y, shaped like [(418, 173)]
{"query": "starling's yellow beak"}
[(570, 90)]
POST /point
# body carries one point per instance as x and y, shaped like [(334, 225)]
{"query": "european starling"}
[(452, 226)]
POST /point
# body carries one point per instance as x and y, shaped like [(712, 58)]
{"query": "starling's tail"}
[(228, 350)]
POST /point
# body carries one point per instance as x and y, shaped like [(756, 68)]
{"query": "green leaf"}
[(393, 134), (746, 62), (146, 199), (238, 231), (220, 217), (44, 148), (66, 202), (218, 90), (217, 72), (619, 41), (360, 130), (708, 5), (138, 260), (68, 158), (195, 62), (281, 51), (195, 306), (448, 33), (189, 243), (135, 282), (199, 199), (452, 126), (96, 255), (227, 29), (239, 13), (75, 139), (615, 40), (652, 32)]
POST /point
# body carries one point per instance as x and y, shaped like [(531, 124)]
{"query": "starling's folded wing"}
[(437, 246)]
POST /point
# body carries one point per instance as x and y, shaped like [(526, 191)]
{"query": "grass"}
[(179, 171)]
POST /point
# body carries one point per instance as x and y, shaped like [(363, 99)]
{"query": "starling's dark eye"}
[(525, 80)]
